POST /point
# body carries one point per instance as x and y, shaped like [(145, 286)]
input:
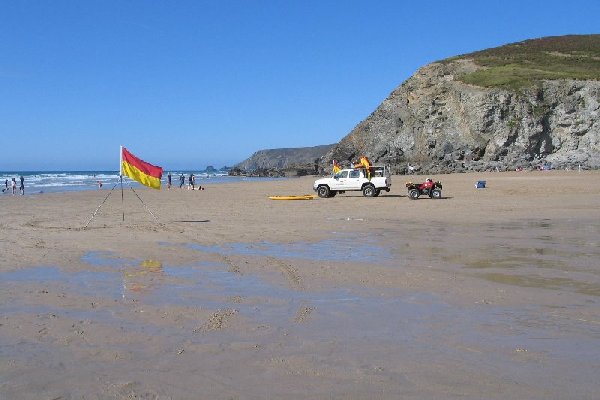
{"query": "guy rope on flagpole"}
[(97, 209), (144, 204)]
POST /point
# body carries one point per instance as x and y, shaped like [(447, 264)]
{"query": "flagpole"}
[(121, 176)]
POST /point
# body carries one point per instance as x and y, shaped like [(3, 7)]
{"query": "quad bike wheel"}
[(413, 194), (436, 194)]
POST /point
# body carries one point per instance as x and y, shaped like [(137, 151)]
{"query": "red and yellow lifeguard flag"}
[(139, 170)]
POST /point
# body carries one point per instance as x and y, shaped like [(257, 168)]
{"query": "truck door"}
[(339, 180), (354, 180)]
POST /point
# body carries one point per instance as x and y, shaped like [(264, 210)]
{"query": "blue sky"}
[(186, 84)]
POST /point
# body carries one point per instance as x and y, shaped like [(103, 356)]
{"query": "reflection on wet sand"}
[(142, 278), (209, 308), (587, 288), (542, 254)]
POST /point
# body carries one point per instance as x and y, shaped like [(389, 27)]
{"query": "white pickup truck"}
[(354, 179)]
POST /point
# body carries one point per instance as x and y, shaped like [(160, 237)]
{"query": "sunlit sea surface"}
[(37, 182)]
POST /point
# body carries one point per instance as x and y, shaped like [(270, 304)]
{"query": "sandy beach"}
[(484, 294)]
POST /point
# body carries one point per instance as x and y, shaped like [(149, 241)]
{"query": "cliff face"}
[(292, 161), (440, 124), (524, 104)]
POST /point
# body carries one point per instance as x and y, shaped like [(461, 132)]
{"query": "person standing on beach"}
[(22, 187), (14, 186), (191, 182), (181, 181), (168, 181)]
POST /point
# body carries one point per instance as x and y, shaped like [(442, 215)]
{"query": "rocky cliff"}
[(286, 161), (489, 110), (526, 104)]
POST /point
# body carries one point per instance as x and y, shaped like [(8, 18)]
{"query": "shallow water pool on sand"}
[(211, 286), (381, 314), (543, 254), (100, 283), (377, 335), (340, 249)]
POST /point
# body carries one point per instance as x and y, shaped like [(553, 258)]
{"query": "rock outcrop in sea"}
[(283, 162)]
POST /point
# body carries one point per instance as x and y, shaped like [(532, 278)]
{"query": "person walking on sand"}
[(191, 182), (168, 181), (13, 185), (181, 181), (22, 186)]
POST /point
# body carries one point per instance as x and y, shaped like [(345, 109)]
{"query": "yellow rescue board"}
[(302, 197)]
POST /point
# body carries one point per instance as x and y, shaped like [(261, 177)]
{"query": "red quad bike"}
[(427, 188)]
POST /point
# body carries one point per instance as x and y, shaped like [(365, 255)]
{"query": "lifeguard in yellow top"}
[(366, 164), (336, 167)]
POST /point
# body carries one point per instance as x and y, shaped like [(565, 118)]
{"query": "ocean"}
[(37, 182)]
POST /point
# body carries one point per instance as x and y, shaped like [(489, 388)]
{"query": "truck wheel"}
[(436, 194), (413, 194), (368, 191), (323, 191)]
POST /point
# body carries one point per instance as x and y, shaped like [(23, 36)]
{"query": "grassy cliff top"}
[(524, 64)]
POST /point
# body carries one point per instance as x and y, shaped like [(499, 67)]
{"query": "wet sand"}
[(487, 293)]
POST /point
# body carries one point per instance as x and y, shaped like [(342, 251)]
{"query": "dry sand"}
[(485, 294)]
